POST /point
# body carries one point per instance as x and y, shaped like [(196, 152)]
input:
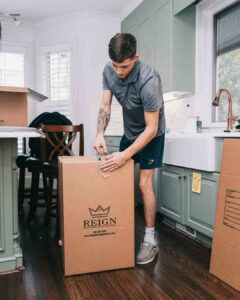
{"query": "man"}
[(137, 88)]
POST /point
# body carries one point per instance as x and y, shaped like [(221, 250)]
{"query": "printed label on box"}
[(231, 215), (100, 222)]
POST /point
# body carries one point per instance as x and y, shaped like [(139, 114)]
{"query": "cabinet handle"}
[(185, 176), (179, 176)]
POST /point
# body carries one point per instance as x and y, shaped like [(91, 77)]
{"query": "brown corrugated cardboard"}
[(225, 258), (14, 106), (96, 216)]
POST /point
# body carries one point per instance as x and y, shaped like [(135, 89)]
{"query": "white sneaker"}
[(147, 253)]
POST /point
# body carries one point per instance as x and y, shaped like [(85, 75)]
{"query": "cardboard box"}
[(14, 105), (225, 258), (96, 216)]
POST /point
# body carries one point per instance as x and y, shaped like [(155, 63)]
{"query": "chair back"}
[(46, 118), (61, 139)]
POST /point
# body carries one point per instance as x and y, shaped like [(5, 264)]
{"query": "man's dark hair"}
[(122, 46)]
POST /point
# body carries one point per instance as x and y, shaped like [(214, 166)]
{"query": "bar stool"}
[(61, 139), (22, 164)]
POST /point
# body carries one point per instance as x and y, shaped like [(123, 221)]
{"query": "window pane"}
[(59, 75), (228, 77), (56, 82), (11, 69)]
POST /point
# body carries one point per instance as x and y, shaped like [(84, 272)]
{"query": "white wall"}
[(21, 38), (89, 34)]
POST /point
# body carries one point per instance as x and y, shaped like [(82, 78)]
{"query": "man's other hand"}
[(100, 144), (114, 161)]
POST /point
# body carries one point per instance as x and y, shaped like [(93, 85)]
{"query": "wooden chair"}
[(61, 139)]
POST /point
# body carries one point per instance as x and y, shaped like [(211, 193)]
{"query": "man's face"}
[(124, 68)]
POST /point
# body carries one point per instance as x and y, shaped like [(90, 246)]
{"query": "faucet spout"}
[(215, 102)]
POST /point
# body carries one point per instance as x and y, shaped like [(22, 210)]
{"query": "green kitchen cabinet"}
[(171, 192), (180, 5), (11, 258), (112, 143), (200, 208), (178, 202), (165, 41), (10, 252)]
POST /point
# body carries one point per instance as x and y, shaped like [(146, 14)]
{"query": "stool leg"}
[(49, 200), (45, 186), (34, 196), (21, 187)]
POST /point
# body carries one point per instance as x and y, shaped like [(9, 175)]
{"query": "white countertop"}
[(18, 132), (204, 135)]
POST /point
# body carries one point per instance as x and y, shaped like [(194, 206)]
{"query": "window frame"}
[(205, 63)]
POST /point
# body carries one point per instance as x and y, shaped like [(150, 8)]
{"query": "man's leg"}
[(149, 199), (149, 248)]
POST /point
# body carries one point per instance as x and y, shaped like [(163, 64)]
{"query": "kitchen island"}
[(11, 258)]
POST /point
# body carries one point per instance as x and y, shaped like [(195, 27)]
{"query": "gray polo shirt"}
[(140, 91)]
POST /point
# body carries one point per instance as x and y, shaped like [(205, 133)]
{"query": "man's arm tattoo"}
[(103, 120)]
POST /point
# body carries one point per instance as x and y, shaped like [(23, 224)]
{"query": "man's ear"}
[(136, 57)]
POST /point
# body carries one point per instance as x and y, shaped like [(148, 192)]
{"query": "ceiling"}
[(35, 10)]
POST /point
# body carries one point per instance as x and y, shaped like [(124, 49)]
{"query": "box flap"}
[(31, 93), (76, 159), (13, 89), (36, 96)]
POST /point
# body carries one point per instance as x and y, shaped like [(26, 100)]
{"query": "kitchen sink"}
[(196, 151)]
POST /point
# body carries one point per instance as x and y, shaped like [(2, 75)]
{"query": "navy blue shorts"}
[(149, 157)]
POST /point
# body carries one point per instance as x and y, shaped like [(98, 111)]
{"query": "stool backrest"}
[(61, 139)]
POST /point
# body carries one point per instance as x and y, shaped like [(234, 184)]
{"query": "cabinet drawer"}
[(113, 140), (112, 149)]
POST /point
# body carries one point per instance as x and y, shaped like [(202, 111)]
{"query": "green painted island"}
[(11, 257)]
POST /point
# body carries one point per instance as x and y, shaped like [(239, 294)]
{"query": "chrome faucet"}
[(231, 119)]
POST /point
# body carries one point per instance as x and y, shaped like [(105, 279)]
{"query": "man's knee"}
[(146, 184), (145, 187)]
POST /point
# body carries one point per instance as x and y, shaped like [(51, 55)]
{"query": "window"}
[(12, 74), (56, 81), (206, 73), (227, 49)]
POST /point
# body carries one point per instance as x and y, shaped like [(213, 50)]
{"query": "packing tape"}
[(101, 156)]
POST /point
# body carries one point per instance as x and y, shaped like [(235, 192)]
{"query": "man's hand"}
[(100, 143), (114, 161)]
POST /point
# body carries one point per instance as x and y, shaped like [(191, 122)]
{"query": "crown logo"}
[(99, 211)]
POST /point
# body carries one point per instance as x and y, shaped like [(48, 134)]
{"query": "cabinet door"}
[(10, 252), (146, 41), (162, 25), (200, 208), (180, 5), (171, 192), (151, 23)]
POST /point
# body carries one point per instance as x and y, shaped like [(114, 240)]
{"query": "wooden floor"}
[(179, 272)]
